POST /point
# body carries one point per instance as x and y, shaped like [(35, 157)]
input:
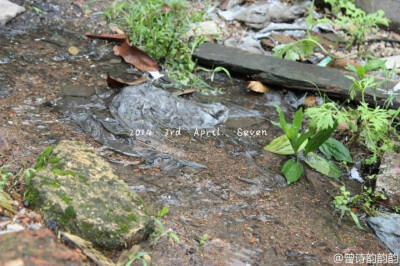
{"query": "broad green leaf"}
[(356, 221), (282, 120), (318, 139), (292, 170), (374, 64), (351, 68), (298, 118), (322, 165), (281, 145), (335, 148)]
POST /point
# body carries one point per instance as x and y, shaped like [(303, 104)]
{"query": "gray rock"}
[(258, 15), (387, 228), (388, 180), (77, 90), (8, 11), (78, 191)]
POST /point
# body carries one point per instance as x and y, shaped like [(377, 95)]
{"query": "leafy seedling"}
[(310, 141), (203, 239)]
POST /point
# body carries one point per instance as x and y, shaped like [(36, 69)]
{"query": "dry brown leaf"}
[(310, 101), (116, 83), (167, 8), (116, 29), (107, 37), (257, 86), (342, 63), (184, 92), (133, 55), (282, 38), (267, 44)]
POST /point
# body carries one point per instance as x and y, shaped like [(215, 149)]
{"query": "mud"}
[(250, 218)]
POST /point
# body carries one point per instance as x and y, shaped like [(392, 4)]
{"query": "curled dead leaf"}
[(133, 55), (310, 101), (116, 83), (116, 29), (345, 125), (107, 37), (257, 86), (184, 92)]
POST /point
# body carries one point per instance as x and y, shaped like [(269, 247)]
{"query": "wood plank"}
[(285, 73)]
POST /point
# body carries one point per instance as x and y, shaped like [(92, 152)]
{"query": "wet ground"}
[(239, 201)]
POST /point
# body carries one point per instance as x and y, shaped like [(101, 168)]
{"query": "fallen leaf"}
[(133, 55), (345, 125), (73, 50), (184, 92), (107, 37), (342, 63), (257, 86), (310, 101), (267, 44), (116, 83), (167, 8), (116, 29), (210, 39)]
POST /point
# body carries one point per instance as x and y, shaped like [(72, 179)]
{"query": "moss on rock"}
[(80, 191)]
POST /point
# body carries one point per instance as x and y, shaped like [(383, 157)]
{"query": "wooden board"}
[(285, 73)]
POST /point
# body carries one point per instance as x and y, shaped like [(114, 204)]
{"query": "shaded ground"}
[(249, 218)]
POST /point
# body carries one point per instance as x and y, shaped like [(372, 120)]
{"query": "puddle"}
[(238, 198)]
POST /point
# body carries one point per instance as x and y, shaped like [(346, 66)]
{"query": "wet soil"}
[(250, 218)]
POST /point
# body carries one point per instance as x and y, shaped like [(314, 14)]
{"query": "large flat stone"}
[(8, 11), (285, 73), (77, 191), (388, 180)]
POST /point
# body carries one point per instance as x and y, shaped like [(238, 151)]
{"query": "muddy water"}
[(239, 201)]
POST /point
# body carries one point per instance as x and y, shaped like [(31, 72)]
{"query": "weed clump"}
[(161, 29)]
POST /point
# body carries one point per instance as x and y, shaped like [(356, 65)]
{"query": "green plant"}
[(325, 115), (343, 202), (5, 175), (203, 239), (160, 232), (375, 129), (160, 27), (366, 202), (364, 82), (302, 48), (215, 70), (356, 21), (164, 211), (141, 255), (309, 141)]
